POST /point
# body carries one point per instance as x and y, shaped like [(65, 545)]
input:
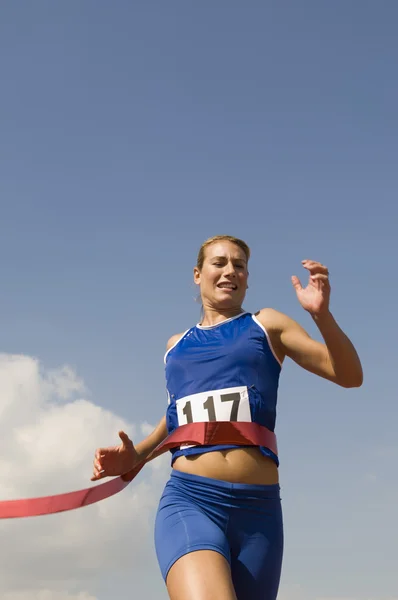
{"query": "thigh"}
[(201, 575), (257, 563), (182, 528)]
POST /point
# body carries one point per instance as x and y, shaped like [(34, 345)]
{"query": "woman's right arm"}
[(147, 446)]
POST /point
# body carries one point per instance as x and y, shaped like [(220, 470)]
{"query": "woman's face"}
[(223, 277)]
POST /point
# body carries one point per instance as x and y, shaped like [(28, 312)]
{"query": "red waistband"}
[(219, 433)]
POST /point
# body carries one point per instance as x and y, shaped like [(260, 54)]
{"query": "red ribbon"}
[(203, 434)]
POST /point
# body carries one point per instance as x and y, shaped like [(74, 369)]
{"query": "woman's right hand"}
[(115, 460)]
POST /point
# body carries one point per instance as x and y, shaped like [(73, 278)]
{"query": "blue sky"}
[(131, 132)]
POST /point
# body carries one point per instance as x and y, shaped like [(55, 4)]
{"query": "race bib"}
[(229, 404)]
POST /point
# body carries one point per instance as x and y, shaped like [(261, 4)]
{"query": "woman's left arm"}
[(336, 359)]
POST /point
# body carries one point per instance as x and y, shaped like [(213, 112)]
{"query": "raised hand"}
[(316, 296), (115, 460)]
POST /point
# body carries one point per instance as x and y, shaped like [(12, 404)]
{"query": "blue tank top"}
[(223, 372)]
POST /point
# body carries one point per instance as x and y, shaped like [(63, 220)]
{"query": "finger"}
[(314, 267), (320, 277), (100, 468), (125, 438), (101, 452), (318, 269), (97, 471), (97, 476), (296, 283), (97, 465), (309, 261), (105, 452)]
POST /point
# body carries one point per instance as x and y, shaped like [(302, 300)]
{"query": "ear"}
[(196, 275)]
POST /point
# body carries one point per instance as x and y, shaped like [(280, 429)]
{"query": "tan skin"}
[(223, 283)]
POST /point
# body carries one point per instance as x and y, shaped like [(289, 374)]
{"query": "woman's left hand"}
[(316, 296)]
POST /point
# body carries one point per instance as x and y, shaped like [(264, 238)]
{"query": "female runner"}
[(219, 532)]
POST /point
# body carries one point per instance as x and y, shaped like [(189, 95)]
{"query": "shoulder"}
[(280, 329), (273, 320), (174, 340)]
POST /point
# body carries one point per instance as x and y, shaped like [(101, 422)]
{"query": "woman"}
[(218, 530)]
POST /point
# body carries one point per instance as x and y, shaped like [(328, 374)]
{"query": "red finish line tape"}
[(204, 434)]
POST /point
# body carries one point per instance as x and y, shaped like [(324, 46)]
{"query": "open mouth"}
[(227, 286)]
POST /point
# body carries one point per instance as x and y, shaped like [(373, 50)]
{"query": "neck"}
[(212, 316)]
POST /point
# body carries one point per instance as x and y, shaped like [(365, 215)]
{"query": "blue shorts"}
[(240, 521)]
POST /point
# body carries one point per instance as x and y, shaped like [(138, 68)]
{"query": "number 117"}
[(211, 411)]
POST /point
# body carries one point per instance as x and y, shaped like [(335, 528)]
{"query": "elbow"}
[(355, 380)]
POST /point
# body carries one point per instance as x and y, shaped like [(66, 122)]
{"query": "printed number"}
[(187, 411), (209, 406), (235, 399)]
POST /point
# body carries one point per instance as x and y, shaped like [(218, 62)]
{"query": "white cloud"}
[(48, 435)]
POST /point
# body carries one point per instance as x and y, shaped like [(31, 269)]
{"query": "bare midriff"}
[(240, 465)]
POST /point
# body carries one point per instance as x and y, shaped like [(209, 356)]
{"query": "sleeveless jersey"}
[(223, 372)]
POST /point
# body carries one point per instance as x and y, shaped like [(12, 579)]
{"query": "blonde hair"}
[(221, 238)]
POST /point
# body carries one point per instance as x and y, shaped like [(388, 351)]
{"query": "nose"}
[(229, 269)]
